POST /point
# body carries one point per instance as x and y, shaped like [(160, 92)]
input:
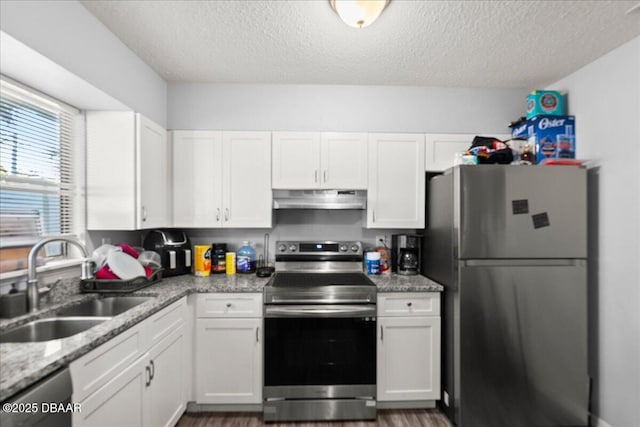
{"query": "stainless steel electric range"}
[(320, 334)]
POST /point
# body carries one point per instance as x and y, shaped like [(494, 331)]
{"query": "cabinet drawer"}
[(97, 367), (165, 321), (409, 304), (229, 305)]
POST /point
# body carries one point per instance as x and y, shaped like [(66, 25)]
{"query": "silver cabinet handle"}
[(153, 370), (324, 174), (217, 214), (148, 380), (226, 214), (374, 215), (258, 334), (381, 333), (315, 176), (144, 214)]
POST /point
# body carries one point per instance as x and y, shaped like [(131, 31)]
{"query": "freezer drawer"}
[(523, 344), (507, 211)]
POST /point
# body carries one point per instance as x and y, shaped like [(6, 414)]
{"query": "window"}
[(36, 170)]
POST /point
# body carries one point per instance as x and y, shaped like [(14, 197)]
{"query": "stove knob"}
[(343, 248), (354, 248), (292, 248), (282, 247)]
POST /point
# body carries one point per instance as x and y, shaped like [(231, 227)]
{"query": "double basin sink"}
[(71, 320)]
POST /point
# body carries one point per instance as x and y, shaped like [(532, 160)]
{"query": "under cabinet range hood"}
[(319, 199)]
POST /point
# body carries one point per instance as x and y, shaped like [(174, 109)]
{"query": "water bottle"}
[(246, 259)]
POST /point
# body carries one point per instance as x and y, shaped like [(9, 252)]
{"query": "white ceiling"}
[(507, 44)]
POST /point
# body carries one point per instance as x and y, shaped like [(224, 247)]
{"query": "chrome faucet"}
[(33, 296)]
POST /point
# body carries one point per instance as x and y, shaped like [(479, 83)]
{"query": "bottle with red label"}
[(385, 265)]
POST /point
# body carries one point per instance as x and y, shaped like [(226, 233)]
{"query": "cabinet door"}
[(440, 148), (228, 360), (395, 198), (344, 161), (296, 160), (197, 179), (408, 358), (246, 179), (152, 174), (111, 170), (96, 368), (166, 389), (120, 402)]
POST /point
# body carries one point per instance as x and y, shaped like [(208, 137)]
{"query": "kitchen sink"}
[(109, 306), (50, 328)]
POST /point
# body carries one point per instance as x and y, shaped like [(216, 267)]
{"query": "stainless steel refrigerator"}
[(509, 244)]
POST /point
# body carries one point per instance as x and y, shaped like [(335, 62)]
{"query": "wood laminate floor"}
[(386, 418)]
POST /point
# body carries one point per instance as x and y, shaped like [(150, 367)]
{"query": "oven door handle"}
[(368, 310)]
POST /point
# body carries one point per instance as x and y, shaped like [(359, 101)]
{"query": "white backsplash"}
[(297, 225)]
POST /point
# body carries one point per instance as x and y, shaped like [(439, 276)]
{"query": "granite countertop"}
[(399, 283), (22, 364)]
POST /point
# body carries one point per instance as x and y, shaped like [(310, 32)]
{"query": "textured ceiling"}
[(508, 44)]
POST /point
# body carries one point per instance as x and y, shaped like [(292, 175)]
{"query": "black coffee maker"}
[(406, 253)]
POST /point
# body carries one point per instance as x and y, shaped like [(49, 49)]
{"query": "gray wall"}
[(334, 108), (66, 33), (342, 108), (605, 98)]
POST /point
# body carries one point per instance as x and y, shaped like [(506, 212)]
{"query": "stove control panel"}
[(312, 249)]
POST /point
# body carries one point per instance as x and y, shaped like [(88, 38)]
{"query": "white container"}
[(372, 262)]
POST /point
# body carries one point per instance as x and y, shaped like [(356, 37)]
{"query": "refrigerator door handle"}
[(562, 262)]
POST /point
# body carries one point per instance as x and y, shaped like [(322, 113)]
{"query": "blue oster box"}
[(552, 136), (544, 102)]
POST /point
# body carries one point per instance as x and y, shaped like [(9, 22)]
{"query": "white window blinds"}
[(36, 165)]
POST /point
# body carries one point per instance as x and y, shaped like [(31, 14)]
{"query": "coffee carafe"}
[(405, 253)]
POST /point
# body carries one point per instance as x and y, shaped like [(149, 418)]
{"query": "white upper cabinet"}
[(395, 197), (440, 148), (221, 179), (153, 174), (296, 160), (127, 172), (343, 161), (246, 179), (197, 179), (316, 160)]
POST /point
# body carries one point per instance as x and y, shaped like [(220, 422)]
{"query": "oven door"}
[(320, 351)]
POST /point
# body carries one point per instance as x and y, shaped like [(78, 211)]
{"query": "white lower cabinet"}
[(150, 391), (228, 349), (165, 389), (408, 347), (229, 361), (120, 402)]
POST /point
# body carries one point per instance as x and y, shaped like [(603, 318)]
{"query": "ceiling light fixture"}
[(358, 13)]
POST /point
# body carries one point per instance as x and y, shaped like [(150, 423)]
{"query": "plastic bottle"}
[(385, 265), (372, 262), (218, 258), (246, 258), (230, 263)]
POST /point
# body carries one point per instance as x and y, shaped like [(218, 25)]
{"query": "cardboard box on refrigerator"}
[(552, 137), (544, 102)]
